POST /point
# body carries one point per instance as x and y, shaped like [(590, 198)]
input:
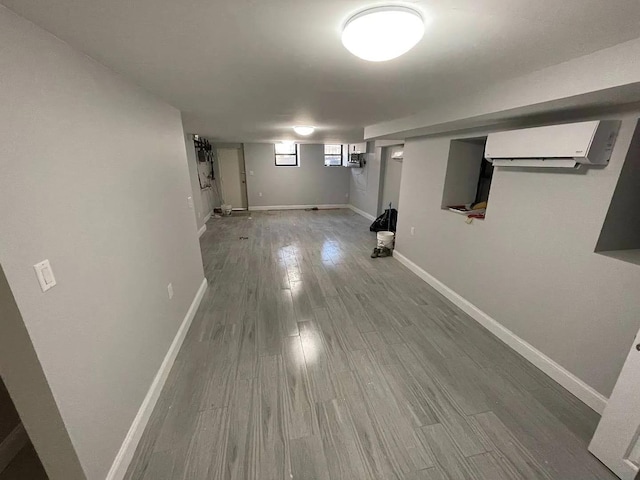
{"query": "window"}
[(333, 155), (286, 154)]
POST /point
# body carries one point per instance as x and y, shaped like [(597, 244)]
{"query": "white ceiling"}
[(247, 70)]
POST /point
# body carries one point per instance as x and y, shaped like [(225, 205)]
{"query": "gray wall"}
[(392, 173), (311, 183), (365, 183), (531, 264), (204, 201), (94, 178)]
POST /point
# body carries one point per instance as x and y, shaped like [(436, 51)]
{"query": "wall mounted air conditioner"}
[(564, 146)]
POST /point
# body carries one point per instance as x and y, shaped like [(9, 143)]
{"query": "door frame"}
[(611, 443), (243, 174)]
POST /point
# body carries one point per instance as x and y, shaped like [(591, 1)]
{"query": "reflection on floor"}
[(309, 360), (25, 466)]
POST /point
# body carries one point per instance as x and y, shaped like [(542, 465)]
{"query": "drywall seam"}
[(362, 212), (298, 207), (12, 444), (130, 443), (558, 373)]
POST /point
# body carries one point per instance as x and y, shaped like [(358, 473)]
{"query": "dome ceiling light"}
[(383, 33), (304, 130)]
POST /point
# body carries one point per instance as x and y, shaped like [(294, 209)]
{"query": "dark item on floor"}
[(243, 238), (385, 223), (381, 252)]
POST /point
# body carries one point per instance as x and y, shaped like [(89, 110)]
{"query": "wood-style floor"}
[(309, 360)]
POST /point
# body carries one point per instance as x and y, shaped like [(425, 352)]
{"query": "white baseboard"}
[(207, 217), (128, 448), (202, 230), (10, 446), (298, 207), (558, 373), (362, 212)]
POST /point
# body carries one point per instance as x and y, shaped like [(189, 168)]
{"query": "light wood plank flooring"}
[(309, 360)]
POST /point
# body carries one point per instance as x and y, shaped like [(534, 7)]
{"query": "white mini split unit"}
[(556, 146)]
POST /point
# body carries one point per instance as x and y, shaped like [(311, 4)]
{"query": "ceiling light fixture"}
[(383, 33), (304, 130)]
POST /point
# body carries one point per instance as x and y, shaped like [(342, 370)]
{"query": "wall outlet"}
[(190, 202), (170, 290), (413, 230), (259, 194)]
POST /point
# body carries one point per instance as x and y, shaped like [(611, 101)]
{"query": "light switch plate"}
[(170, 290), (190, 202), (45, 275)]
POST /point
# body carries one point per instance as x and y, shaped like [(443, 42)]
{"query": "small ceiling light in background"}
[(304, 130), (383, 33)]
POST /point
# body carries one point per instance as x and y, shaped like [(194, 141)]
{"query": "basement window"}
[(333, 155), (468, 178), (286, 154)]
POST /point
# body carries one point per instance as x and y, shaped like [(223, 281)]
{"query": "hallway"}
[(309, 360)]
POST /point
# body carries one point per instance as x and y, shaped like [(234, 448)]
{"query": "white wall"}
[(309, 184), (204, 201), (94, 178), (531, 264), (365, 183)]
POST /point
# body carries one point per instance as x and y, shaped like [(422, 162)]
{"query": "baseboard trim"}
[(362, 212), (202, 230), (207, 217), (130, 443), (573, 384), (298, 207), (11, 446)]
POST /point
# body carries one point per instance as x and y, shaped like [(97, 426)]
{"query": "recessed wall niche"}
[(620, 234), (468, 176)]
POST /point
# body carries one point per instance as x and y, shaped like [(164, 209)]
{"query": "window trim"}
[(276, 155), (333, 154)]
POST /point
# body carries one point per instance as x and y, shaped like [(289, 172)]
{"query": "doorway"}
[(18, 458), (233, 177), (391, 174), (18, 395)]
